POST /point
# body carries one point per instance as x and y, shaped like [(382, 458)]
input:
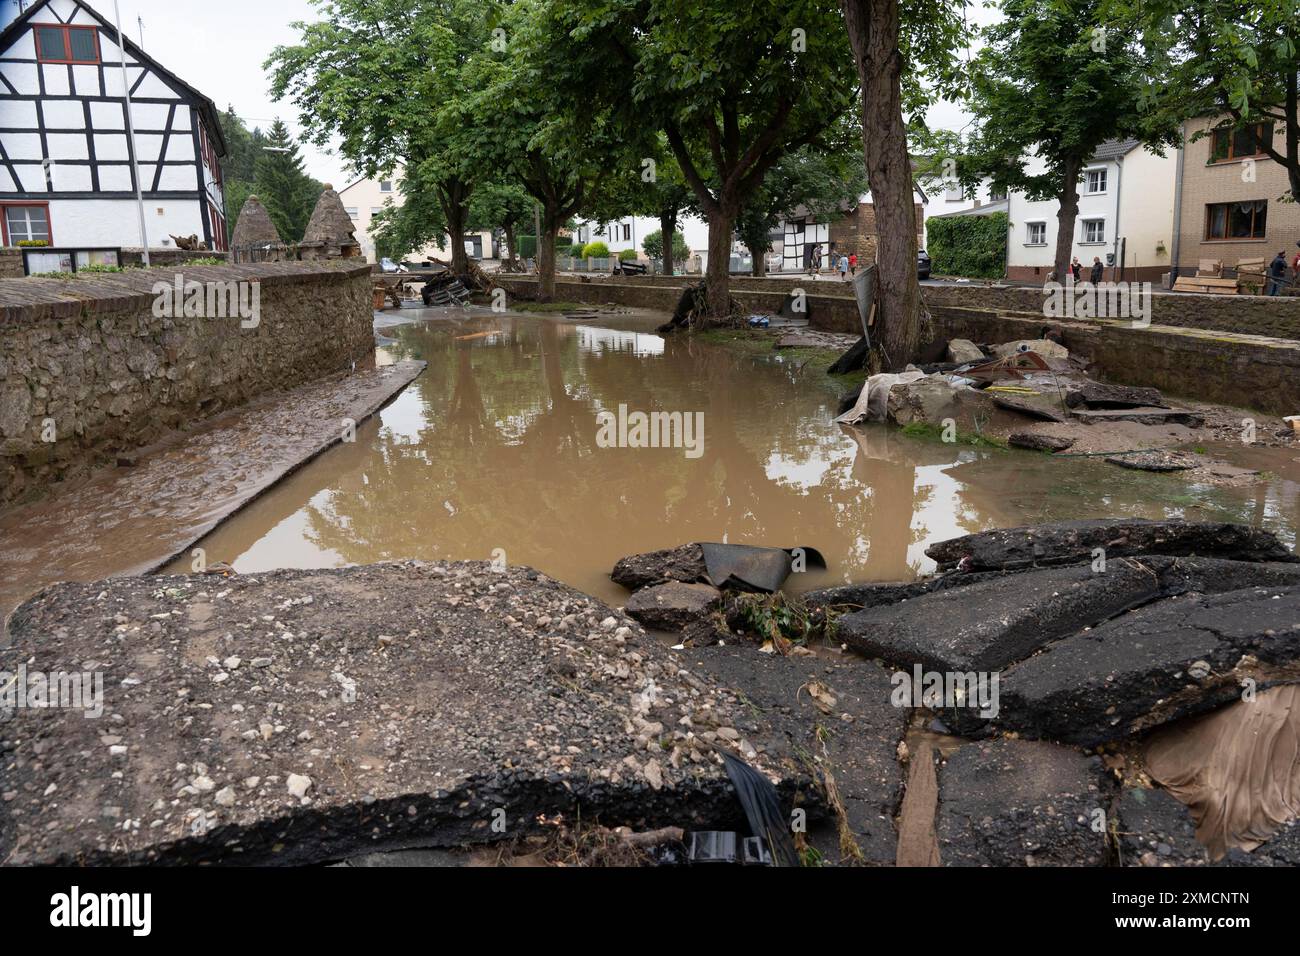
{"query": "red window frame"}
[(67, 42), (4, 220), (219, 242)]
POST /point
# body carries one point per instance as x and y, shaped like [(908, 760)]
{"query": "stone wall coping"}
[(30, 300)]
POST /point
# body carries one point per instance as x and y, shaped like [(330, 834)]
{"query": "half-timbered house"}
[(66, 172)]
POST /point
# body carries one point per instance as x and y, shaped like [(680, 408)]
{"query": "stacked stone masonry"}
[(90, 362)]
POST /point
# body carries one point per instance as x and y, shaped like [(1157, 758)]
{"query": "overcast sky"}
[(219, 47)]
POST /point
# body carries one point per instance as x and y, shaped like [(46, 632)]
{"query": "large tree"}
[(550, 138), (1054, 82), (894, 44), (387, 79), (733, 87)]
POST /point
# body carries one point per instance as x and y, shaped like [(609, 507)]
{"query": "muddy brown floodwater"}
[(493, 452)]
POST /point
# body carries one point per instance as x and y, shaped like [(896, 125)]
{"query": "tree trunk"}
[(759, 256), (667, 227), (1066, 214), (546, 256), (717, 277), (457, 213), (873, 27), (512, 251)]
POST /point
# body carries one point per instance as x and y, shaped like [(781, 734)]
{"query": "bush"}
[(970, 246), (627, 255), (595, 250), (575, 250), (653, 246)]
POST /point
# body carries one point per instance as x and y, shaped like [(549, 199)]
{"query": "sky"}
[(219, 47)]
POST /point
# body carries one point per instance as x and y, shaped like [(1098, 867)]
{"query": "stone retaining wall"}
[(91, 364), (1244, 370), (1276, 316)]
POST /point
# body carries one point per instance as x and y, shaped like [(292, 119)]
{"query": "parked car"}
[(388, 265), (923, 265)]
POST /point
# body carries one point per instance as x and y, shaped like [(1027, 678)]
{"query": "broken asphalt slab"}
[(1071, 542), (307, 716), (1173, 659), (1005, 618), (1021, 803), (987, 626)]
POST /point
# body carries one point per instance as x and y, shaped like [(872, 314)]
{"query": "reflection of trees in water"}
[(507, 458)]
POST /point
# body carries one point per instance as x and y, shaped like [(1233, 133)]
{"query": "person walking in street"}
[(853, 264), (1098, 270), (815, 260), (1276, 273), (844, 267)]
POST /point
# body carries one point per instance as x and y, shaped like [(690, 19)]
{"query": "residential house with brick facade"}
[(1231, 193)]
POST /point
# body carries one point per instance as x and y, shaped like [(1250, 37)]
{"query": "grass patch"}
[(526, 306), (933, 432)]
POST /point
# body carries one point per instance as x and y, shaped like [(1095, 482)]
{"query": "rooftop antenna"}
[(140, 20)]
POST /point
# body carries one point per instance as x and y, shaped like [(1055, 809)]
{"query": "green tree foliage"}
[(1236, 57), (501, 206), (387, 78), (1057, 81), (653, 246), (286, 190), (733, 87), (970, 246)]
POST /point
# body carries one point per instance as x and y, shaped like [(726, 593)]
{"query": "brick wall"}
[(89, 361), (1205, 183)]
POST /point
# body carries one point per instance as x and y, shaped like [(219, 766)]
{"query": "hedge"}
[(970, 246)]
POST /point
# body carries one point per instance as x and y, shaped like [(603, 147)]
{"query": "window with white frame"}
[(352, 212), (385, 185), (1035, 233), (27, 223), (1095, 180), (1094, 230)]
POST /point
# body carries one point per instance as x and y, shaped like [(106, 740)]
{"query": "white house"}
[(628, 233), (66, 173), (363, 199), (1126, 216)]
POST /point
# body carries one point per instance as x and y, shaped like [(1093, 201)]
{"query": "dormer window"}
[(59, 44)]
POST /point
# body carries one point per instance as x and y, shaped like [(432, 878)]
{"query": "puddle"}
[(494, 451)]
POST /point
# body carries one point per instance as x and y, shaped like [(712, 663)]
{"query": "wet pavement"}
[(131, 520)]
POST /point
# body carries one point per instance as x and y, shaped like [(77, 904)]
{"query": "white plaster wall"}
[(115, 222)]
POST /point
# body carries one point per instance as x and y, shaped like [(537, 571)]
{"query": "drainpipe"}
[(1119, 186), (1178, 208)]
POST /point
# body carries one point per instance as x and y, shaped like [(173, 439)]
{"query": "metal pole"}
[(130, 136)]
